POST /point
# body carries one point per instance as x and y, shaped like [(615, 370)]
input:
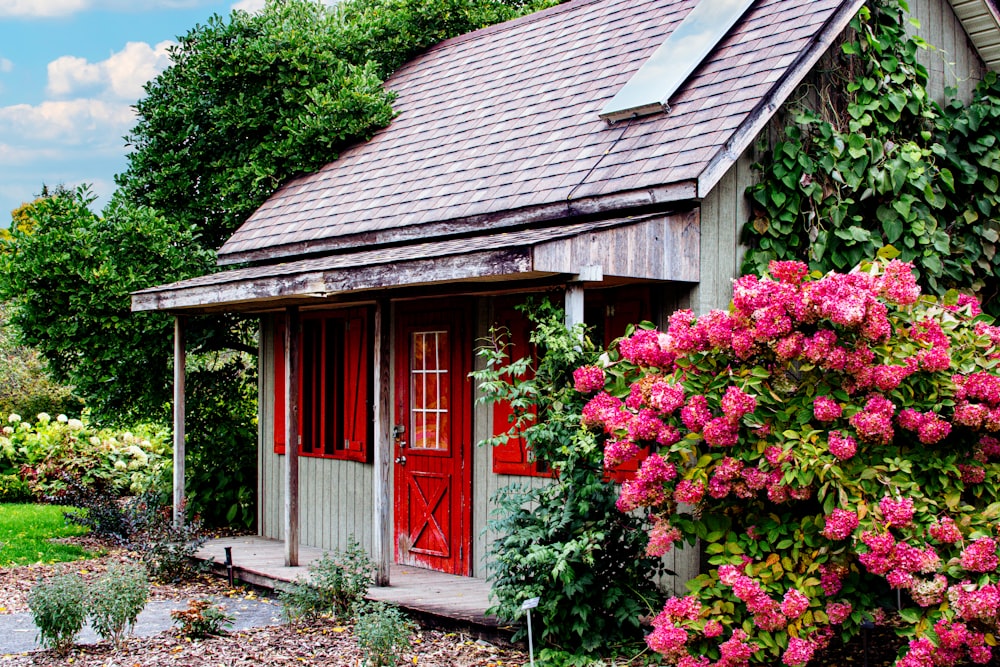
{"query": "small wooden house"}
[(515, 166)]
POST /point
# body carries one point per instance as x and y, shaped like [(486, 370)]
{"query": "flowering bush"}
[(834, 441), (45, 452)]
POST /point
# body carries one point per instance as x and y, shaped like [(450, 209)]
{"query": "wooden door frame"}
[(456, 314)]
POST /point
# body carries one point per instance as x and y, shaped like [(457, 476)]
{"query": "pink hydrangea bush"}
[(834, 441)]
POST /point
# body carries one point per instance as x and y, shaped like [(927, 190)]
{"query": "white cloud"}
[(249, 5), (59, 8), (41, 8), (120, 77), (6, 65), (73, 122)]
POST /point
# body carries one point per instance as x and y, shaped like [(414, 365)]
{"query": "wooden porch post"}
[(292, 372), (180, 361), (574, 304), (382, 415), (574, 293)]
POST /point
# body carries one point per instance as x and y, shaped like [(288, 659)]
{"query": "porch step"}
[(438, 599)]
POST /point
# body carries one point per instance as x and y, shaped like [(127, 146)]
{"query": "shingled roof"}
[(500, 129)]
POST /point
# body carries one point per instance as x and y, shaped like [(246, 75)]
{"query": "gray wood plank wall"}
[(335, 497), (952, 62)]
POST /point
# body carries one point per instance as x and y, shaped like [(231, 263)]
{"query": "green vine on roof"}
[(871, 165)]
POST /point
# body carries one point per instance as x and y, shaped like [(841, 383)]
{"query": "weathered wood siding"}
[(953, 62), (723, 213), (335, 497)]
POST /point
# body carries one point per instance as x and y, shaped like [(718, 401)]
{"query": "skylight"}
[(650, 88)]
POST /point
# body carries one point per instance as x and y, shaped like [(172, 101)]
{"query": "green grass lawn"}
[(25, 531)]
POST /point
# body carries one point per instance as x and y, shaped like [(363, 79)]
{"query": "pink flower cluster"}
[(688, 491), (646, 348), (826, 409), (929, 426), (874, 423), (981, 556), (617, 452), (662, 537), (799, 651), (668, 637), (945, 531), (975, 604), (840, 524), (955, 642), (606, 412), (896, 512), (736, 403), (588, 379), (838, 612), (897, 561), (842, 446), (767, 613), (647, 488)]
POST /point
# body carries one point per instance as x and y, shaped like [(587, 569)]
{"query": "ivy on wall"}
[(869, 165)]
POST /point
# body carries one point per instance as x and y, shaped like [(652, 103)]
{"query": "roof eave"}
[(616, 202)]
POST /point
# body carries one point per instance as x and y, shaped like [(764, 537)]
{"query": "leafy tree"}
[(68, 277), (248, 102), (253, 100), (26, 387), (869, 161)]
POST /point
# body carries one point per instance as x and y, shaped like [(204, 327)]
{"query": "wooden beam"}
[(574, 304), (180, 361), (292, 372), (382, 416)]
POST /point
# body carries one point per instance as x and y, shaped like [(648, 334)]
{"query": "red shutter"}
[(279, 389), (628, 305), (511, 457), (356, 385)]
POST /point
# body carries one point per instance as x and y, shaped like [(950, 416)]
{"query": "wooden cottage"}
[(518, 163)]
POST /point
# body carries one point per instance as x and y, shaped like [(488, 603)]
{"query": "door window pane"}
[(429, 390)]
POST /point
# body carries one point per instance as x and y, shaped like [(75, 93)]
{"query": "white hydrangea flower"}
[(94, 440), (8, 430), (43, 418), (62, 419), (75, 424), (121, 465), (14, 418)]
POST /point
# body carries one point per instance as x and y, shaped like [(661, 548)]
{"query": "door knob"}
[(401, 460)]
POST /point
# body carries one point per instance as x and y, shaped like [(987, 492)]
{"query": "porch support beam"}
[(382, 415), (180, 362), (292, 372), (574, 304)]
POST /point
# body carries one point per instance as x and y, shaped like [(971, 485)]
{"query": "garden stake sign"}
[(527, 606)]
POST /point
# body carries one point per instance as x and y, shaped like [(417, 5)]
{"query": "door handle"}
[(401, 460)]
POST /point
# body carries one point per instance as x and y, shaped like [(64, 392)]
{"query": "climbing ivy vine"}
[(869, 164)]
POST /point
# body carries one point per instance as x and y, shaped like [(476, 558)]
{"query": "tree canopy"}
[(248, 102)]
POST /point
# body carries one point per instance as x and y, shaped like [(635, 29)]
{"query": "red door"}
[(433, 448)]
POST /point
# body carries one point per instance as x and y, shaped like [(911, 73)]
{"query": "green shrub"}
[(13, 489), (335, 584), (201, 619), (383, 633), (58, 609), (50, 450), (116, 600), (564, 542)]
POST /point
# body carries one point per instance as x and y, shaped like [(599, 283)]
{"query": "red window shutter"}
[(629, 305), (279, 389), (511, 457), (356, 386)]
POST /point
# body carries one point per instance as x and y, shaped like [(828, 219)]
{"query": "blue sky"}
[(69, 72)]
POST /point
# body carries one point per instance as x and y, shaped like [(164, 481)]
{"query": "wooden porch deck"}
[(261, 562)]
